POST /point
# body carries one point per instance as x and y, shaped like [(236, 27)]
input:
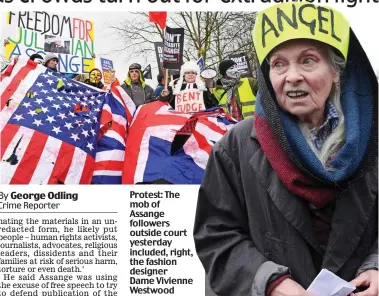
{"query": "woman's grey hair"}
[(337, 138)]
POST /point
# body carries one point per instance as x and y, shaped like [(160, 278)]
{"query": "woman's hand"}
[(368, 278), (164, 93), (289, 288)]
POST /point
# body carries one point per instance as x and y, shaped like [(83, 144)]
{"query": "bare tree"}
[(212, 35)]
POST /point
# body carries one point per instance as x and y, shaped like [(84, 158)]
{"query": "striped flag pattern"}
[(116, 117), (56, 130), (52, 127), (149, 154)]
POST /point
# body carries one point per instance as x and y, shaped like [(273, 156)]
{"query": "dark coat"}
[(148, 91), (250, 228)]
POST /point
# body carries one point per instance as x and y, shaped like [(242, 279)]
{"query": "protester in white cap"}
[(51, 62), (189, 79)]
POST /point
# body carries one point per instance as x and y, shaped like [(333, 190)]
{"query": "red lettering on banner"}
[(88, 29), (81, 29), (76, 28), (184, 97), (189, 101)]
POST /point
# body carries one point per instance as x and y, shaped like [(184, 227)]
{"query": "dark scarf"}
[(288, 152)]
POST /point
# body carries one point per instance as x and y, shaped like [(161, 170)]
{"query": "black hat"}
[(36, 56), (225, 65), (135, 66)]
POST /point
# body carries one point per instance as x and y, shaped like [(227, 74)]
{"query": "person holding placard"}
[(295, 189), (189, 94)]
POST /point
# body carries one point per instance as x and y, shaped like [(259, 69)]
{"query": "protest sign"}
[(71, 39), (200, 63), (280, 23), (159, 54), (147, 72), (105, 66), (189, 100), (242, 63), (173, 44)]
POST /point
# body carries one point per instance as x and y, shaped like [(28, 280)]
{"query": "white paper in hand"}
[(327, 283)]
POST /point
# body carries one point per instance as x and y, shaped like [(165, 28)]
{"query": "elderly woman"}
[(295, 189)]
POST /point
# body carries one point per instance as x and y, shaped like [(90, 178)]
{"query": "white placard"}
[(189, 100)]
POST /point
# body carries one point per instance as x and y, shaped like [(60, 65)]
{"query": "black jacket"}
[(148, 91), (249, 227)]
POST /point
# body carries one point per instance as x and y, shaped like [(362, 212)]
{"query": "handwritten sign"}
[(71, 39), (189, 100), (287, 21)]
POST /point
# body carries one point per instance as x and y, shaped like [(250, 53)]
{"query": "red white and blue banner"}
[(55, 130), (158, 149)]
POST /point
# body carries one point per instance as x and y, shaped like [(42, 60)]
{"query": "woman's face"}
[(302, 77), (190, 77)]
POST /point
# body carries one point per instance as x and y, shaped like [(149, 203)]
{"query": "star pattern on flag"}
[(51, 111)]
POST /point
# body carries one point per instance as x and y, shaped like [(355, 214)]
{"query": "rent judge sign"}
[(189, 100)]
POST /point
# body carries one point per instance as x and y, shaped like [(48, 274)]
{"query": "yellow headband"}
[(283, 22)]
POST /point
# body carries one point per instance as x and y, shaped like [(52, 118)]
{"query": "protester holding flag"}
[(295, 189), (135, 86), (188, 81), (235, 94)]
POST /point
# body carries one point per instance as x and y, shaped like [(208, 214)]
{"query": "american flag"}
[(156, 148), (50, 127)]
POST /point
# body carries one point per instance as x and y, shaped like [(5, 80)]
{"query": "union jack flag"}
[(116, 117), (52, 127), (164, 144)]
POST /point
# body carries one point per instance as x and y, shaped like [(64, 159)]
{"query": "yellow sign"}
[(288, 21)]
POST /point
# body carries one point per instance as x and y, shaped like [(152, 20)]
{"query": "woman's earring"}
[(337, 85)]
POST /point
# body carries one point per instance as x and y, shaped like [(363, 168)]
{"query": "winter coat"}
[(158, 90), (245, 96), (264, 191), (264, 230), (148, 91)]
